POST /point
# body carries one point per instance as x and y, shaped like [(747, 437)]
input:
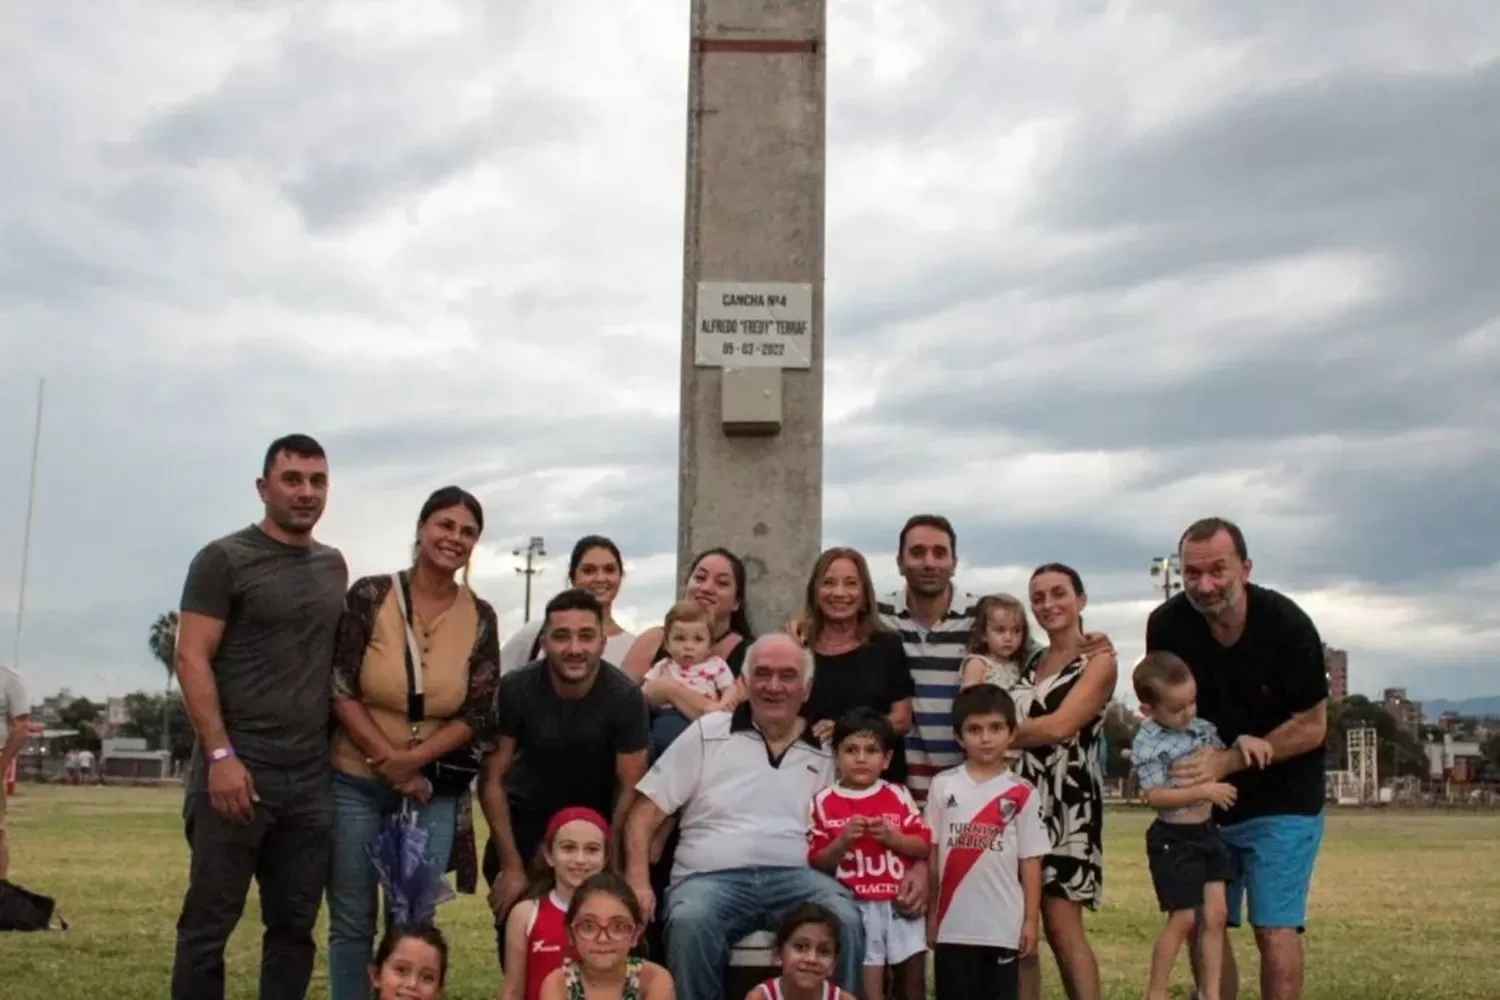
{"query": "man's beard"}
[(1219, 604), (295, 522)]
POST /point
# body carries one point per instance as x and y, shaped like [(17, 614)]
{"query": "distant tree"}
[(1120, 725), (146, 713), (163, 643), (1491, 750), (80, 715)]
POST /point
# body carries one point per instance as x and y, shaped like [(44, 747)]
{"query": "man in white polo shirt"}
[(744, 781)]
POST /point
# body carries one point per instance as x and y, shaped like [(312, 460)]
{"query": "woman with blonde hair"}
[(859, 664)]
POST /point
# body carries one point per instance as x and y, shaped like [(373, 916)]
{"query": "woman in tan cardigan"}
[(391, 748)]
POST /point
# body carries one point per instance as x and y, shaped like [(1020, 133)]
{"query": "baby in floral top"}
[(689, 661)]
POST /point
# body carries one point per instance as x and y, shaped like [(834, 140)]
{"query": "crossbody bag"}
[(452, 773)]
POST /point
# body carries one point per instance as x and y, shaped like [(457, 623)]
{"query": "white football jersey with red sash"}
[(982, 831)]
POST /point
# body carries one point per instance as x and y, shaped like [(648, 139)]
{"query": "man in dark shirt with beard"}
[(1258, 662), (570, 730), (254, 653)]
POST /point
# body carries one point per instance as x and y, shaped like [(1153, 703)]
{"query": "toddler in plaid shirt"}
[(1189, 867)]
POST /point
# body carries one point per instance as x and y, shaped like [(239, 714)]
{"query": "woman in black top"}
[(858, 663), (716, 581)]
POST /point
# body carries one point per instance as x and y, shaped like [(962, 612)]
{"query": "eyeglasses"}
[(614, 930)]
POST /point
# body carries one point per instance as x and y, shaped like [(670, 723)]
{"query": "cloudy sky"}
[(1094, 269)]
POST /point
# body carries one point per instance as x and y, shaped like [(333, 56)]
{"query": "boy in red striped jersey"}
[(864, 831), (988, 843)]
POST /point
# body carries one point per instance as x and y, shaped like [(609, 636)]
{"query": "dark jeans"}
[(528, 829), (666, 725), (286, 849)]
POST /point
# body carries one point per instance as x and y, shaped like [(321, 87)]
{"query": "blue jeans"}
[(707, 914), (666, 725), (360, 808)]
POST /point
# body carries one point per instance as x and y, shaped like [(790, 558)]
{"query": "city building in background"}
[(1407, 713), (1336, 663)]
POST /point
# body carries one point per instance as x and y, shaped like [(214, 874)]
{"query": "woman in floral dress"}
[(1061, 702)]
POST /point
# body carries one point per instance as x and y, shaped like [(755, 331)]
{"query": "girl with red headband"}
[(574, 846)]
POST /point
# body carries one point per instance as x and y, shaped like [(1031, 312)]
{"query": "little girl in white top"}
[(998, 644)]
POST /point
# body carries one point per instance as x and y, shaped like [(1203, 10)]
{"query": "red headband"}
[(574, 814)]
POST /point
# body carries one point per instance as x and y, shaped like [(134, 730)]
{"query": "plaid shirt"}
[(1156, 748)]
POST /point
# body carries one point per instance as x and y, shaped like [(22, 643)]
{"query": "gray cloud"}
[(1207, 260)]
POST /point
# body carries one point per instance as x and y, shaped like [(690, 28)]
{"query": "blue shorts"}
[(1271, 859)]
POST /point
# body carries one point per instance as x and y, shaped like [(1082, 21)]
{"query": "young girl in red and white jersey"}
[(574, 847), (807, 949)]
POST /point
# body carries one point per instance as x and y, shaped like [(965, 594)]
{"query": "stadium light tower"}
[(535, 549), (1167, 570)]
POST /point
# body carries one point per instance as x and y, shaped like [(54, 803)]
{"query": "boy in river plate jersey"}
[(988, 842)]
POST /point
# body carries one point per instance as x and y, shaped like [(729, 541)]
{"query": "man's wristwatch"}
[(222, 753)]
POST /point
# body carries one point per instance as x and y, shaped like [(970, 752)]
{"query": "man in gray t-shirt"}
[(254, 657)]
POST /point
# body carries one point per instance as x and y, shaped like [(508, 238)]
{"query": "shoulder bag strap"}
[(416, 700)]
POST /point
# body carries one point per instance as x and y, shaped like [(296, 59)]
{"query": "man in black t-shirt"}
[(1258, 662), (569, 730)]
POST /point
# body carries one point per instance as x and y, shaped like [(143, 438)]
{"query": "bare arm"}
[(1084, 702), (1299, 734), (450, 736), (514, 985), (554, 987), (827, 859), (642, 653), (362, 730), (972, 673), (900, 716), (1302, 732), (198, 639), (645, 816), (1031, 892), (493, 803), (630, 768), (1031, 886), (663, 691), (909, 845), (658, 985)]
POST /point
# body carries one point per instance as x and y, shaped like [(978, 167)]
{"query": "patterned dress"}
[(1067, 777), (577, 990)]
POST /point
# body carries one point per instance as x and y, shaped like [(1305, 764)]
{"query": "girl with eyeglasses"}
[(604, 924), (574, 847)]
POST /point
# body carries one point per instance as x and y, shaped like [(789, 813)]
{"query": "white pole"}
[(36, 448)]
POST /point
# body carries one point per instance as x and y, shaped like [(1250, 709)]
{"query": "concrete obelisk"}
[(751, 445)]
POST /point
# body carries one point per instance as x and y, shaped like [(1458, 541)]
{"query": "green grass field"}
[(1405, 906)]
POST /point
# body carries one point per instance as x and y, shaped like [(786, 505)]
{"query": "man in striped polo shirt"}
[(934, 621)]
